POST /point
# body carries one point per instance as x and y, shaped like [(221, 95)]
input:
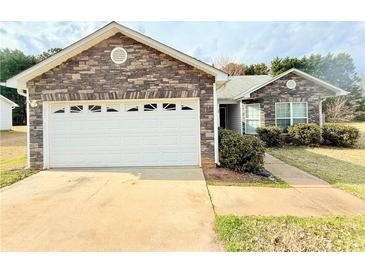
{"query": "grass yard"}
[(342, 167), (13, 156), (260, 234)]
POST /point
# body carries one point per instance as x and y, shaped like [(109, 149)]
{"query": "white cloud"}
[(248, 42)]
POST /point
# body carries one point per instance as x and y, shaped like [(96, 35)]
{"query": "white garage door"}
[(133, 133)]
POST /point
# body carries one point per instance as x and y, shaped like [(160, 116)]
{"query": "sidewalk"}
[(292, 175), (308, 196)]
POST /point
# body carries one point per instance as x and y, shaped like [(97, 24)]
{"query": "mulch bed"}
[(226, 175)]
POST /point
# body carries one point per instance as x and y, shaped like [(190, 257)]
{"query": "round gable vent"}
[(291, 84), (118, 55)]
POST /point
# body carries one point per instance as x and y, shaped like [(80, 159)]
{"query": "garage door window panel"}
[(59, 110), (168, 107), (131, 108), (94, 108), (112, 109), (186, 107), (76, 109), (150, 107)]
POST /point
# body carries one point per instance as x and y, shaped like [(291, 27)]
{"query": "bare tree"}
[(222, 61), (338, 111), (229, 65)]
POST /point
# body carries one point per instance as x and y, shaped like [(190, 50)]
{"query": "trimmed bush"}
[(340, 135), (271, 135), (241, 153), (304, 134)]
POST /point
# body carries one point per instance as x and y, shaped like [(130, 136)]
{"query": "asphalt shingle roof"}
[(239, 84)]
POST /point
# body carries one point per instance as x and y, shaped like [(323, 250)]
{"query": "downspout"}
[(321, 122), (320, 113), (215, 122), (24, 93)]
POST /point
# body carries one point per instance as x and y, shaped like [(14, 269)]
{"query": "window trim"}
[(252, 119), (291, 118)]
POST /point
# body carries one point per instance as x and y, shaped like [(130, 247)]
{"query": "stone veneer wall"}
[(305, 91), (147, 73)]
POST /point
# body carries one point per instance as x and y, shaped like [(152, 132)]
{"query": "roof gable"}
[(337, 91), (19, 81)]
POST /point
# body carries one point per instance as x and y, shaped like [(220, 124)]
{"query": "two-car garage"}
[(160, 132), (118, 98)]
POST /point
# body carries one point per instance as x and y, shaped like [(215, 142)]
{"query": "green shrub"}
[(304, 134), (340, 135), (271, 135), (240, 152)]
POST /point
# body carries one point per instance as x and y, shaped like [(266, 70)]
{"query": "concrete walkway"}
[(309, 196), (292, 175)]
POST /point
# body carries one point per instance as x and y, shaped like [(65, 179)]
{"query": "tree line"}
[(13, 62), (338, 70)]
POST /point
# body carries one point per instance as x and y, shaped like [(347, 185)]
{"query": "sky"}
[(246, 42)]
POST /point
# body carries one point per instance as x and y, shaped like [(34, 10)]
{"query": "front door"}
[(222, 117)]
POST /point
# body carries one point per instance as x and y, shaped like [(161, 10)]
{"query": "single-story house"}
[(120, 98), (6, 113)]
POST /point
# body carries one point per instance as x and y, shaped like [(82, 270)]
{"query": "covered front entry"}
[(123, 133), (230, 116)]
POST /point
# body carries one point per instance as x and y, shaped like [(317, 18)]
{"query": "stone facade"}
[(277, 91), (147, 74)]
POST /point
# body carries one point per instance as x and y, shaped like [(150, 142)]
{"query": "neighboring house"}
[(119, 98), (6, 113)]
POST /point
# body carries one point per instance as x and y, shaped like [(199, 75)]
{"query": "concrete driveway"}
[(108, 210)]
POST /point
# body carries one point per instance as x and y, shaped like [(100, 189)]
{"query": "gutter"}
[(21, 92)]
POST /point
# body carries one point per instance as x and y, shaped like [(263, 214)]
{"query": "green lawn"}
[(13, 158), (262, 234), (10, 177), (342, 167)]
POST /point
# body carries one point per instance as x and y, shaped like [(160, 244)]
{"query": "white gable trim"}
[(336, 90), (19, 81), (8, 101)]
